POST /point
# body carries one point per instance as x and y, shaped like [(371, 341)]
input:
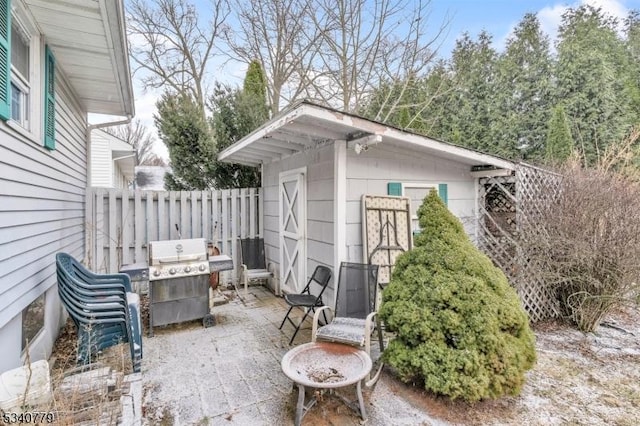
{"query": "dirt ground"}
[(580, 378)]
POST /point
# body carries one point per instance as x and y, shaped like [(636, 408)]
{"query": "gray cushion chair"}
[(355, 318)]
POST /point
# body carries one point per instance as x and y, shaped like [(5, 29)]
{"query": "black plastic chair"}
[(253, 262), (306, 299), (102, 306), (355, 317)]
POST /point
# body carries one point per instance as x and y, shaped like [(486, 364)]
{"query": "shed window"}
[(416, 193)]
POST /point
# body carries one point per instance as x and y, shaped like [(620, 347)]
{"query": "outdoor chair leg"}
[(285, 318), (306, 313)]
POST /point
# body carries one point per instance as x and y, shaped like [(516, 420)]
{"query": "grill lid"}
[(177, 251)]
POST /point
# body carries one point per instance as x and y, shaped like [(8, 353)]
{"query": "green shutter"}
[(49, 100), (442, 192), (394, 188), (5, 59)]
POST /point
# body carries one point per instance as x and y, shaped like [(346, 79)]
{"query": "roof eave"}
[(115, 27)]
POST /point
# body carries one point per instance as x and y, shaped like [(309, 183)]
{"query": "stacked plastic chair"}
[(102, 306)]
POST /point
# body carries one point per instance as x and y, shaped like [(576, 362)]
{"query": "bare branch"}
[(170, 46)]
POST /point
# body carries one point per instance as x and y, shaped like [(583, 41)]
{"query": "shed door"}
[(293, 204)]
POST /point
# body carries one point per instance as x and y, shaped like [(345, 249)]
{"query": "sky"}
[(498, 17)]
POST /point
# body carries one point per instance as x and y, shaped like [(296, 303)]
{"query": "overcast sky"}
[(498, 17)]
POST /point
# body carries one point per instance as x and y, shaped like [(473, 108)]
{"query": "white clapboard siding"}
[(42, 195), (121, 223)]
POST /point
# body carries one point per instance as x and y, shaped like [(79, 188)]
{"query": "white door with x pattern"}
[(293, 226)]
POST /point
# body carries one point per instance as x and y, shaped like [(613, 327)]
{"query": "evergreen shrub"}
[(460, 329)]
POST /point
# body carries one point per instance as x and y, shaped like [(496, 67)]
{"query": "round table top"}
[(326, 365)]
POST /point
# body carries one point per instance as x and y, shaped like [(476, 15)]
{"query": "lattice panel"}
[(535, 190), (497, 228), (508, 208)]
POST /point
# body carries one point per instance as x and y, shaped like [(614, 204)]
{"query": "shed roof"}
[(88, 40), (307, 126)]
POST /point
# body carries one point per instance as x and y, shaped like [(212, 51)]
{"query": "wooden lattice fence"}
[(509, 207)]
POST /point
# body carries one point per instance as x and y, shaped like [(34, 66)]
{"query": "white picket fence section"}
[(120, 223)]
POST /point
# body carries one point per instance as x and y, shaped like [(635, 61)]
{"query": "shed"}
[(317, 164)]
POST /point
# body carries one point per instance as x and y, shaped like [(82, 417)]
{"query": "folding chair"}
[(355, 317), (307, 299), (253, 262)]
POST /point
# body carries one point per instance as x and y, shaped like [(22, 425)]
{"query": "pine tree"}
[(594, 81), (459, 327), (559, 141), (236, 113), (473, 65), (187, 136), (524, 95)]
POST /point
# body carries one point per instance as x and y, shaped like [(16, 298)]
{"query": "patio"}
[(230, 374)]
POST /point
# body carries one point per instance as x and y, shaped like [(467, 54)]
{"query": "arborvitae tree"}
[(255, 88), (524, 93), (594, 81), (559, 141), (473, 65), (460, 328), (236, 113), (187, 136)]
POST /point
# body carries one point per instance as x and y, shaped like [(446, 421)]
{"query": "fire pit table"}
[(324, 365)]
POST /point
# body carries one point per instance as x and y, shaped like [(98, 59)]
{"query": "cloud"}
[(145, 108), (550, 17)]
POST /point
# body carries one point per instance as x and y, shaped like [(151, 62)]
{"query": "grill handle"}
[(182, 259)]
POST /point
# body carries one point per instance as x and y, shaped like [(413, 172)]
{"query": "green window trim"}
[(49, 100), (395, 188), (5, 59), (443, 193)]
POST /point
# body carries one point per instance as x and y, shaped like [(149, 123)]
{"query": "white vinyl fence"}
[(120, 223)]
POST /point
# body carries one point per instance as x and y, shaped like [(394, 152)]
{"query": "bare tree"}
[(281, 35), (138, 136), (366, 43), (171, 47)]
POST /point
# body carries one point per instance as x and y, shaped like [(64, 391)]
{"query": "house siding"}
[(319, 190), (369, 173), (102, 170), (42, 196)]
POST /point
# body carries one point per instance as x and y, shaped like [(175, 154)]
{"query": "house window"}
[(20, 73), (32, 320)]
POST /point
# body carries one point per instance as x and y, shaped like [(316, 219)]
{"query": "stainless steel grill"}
[(178, 281), (177, 258)]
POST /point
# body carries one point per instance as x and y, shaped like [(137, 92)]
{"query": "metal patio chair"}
[(307, 299), (355, 317), (103, 308), (253, 262)]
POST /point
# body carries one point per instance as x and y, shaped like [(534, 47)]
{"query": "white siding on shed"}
[(41, 213), (370, 171), (319, 165)]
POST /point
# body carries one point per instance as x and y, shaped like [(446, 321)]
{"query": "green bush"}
[(460, 328)]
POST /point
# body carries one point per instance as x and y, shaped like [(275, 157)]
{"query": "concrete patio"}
[(230, 374)]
